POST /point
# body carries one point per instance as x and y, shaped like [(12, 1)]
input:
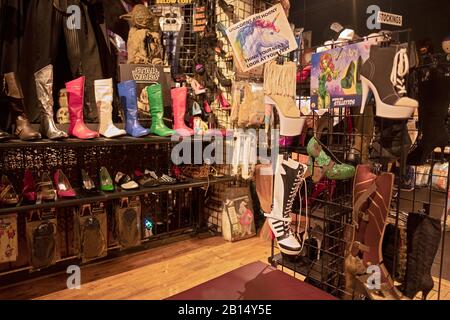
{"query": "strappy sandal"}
[(8, 195), (125, 181), (45, 191), (165, 179)]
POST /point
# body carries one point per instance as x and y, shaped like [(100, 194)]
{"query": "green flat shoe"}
[(324, 158), (106, 183)]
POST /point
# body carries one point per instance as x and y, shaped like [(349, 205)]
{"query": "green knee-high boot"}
[(155, 100)]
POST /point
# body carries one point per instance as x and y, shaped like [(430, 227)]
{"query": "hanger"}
[(376, 168), (280, 59)]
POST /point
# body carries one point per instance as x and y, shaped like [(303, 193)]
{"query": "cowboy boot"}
[(77, 128), (386, 63), (157, 111), (434, 98), (179, 97), (288, 180), (104, 98), (128, 98), (423, 239), (44, 91), (13, 92)]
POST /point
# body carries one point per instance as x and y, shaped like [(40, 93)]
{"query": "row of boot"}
[(12, 91)]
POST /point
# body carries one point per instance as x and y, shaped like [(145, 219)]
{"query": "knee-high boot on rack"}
[(434, 98), (155, 99), (372, 196), (289, 176), (423, 239), (77, 128), (44, 91), (179, 99), (128, 99), (11, 89), (104, 99)]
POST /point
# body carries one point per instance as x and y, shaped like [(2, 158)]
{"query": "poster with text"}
[(335, 76), (261, 37)]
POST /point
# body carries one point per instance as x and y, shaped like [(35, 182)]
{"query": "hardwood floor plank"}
[(157, 273)]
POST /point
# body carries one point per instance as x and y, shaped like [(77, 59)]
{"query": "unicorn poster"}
[(335, 76), (260, 38)]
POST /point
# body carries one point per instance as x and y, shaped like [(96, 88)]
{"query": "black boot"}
[(424, 235), (434, 99)]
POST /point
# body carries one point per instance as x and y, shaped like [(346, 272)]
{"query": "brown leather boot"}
[(13, 91), (371, 202)]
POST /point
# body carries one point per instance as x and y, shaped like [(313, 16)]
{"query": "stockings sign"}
[(260, 38)]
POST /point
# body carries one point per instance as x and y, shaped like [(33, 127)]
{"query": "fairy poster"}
[(261, 37), (335, 76)]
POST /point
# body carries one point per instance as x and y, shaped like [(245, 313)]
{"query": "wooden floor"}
[(154, 274)]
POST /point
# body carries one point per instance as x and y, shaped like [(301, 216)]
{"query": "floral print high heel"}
[(332, 168)]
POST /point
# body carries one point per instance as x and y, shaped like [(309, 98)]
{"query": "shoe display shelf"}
[(176, 209)]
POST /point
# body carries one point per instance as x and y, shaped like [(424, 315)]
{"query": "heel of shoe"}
[(289, 127), (365, 94), (425, 294)]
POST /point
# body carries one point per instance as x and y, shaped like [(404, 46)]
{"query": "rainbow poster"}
[(261, 37)]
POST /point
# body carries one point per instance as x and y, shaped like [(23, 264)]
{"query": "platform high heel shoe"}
[(280, 90), (384, 74)]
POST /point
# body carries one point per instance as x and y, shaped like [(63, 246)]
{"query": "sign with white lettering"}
[(390, 19)]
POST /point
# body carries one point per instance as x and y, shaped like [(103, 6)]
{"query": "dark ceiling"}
[(428, 18)]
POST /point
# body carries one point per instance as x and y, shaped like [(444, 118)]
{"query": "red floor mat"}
[(255, 281)]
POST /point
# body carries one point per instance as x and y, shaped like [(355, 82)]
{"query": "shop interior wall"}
[(428, 18)]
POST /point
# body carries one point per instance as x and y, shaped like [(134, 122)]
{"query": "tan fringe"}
[(280, 79)]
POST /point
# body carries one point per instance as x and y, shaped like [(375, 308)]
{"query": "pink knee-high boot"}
[(77, 128), (179, 99)]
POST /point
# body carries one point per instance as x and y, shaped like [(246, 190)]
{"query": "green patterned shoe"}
[(335, 169)]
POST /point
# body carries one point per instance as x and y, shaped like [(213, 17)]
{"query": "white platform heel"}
[(289, 127)]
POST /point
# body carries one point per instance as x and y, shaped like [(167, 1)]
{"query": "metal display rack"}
[(333, 207)]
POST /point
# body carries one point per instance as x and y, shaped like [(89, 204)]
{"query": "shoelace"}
[(399, 71)]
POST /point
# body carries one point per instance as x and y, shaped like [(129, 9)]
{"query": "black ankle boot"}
[(434, 99), (424, 235)]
